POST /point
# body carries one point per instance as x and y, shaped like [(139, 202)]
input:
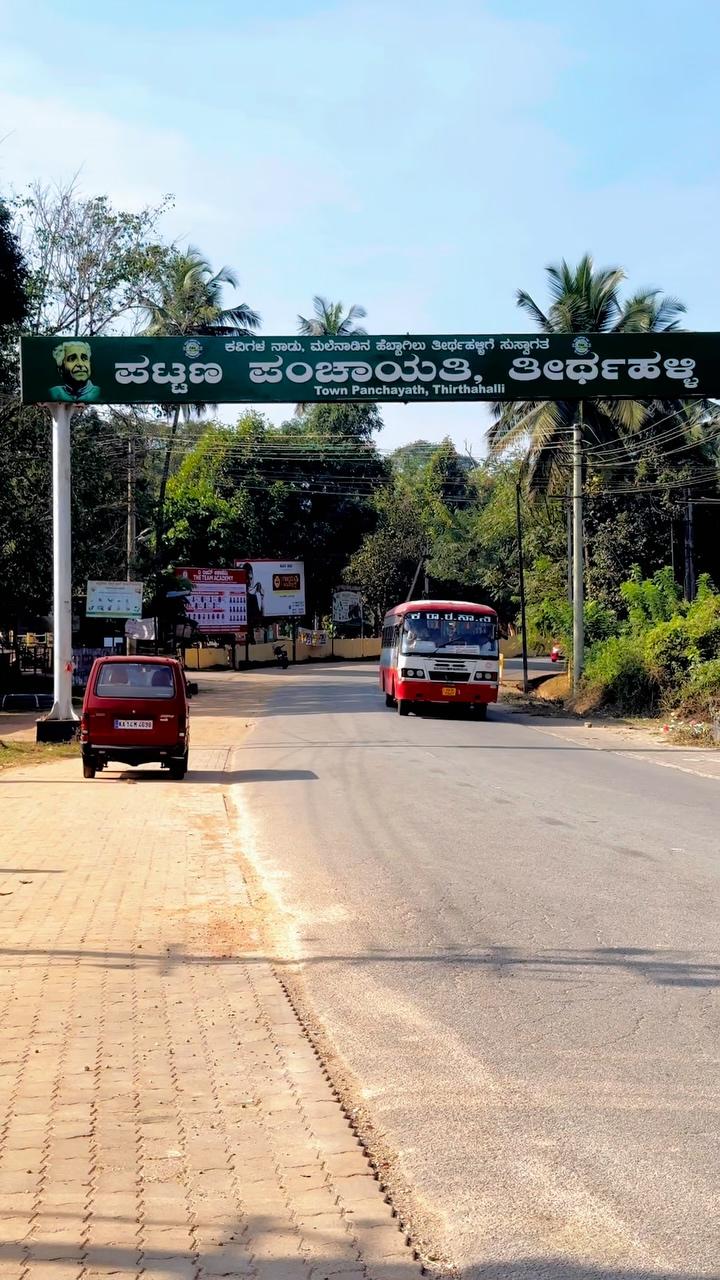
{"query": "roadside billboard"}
[(275, 589), (347, 607), (114, 599), (218, 600)]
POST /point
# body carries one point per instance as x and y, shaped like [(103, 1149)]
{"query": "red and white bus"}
[(440, 651)]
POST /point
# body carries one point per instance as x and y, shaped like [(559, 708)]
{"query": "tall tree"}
[(385, 565), (13, 291), (330, 320), (90, 264), (583, 299), (189, 300)]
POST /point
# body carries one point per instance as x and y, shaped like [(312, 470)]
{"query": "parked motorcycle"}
[(281, 656)]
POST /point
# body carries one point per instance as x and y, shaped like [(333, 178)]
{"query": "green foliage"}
[(340, 422), (667, 654), (99, 498), (385, 564), (550, 621), (187, 298), (13, 296), (330, 319), (617, 674), (13, 275), (288, 491), (702, 623), (650, 600), (584, 299), (701, 695)]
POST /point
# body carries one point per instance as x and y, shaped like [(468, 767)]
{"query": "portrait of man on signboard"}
[(255, 597), (73, 365)]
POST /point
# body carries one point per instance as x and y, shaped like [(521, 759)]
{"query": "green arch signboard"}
[(409, 368)]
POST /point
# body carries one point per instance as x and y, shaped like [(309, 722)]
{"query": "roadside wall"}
[(201, 659)]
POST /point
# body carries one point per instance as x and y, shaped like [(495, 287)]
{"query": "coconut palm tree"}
[(583, 299), (329, 320), (189, 301)]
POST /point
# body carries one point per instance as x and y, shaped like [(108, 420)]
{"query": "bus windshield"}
[(451, 631)]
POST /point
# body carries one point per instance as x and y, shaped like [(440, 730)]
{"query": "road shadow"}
[(226, 777), (32, 871), (663, 968), (553, 1268), (258, 1245)]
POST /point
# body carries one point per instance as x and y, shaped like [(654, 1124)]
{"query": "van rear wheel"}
[(88, 769), (178, 768)]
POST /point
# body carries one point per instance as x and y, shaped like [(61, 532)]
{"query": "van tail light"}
[(182, 725), (84, 726)]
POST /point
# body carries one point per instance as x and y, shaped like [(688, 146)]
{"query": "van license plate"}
[(133, 724), (449, 691)]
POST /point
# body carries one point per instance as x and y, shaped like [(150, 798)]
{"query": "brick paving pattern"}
[(161, 1114)]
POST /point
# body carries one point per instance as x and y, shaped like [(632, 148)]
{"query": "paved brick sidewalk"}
[(161, 1114)]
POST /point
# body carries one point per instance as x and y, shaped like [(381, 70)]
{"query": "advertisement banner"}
[(114, 599), (275, 589), (347, 607), (313, 639), (290, 370), (218, 600)]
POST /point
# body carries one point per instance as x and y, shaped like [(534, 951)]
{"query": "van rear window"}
[(135, 680)]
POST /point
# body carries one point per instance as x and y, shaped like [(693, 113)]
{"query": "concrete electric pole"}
[(60, 725)]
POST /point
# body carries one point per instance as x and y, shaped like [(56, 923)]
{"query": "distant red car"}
[(135, 710), (555, 654)]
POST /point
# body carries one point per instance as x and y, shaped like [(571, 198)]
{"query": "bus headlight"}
[(411, 673)]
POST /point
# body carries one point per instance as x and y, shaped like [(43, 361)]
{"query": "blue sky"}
[(423, 159)]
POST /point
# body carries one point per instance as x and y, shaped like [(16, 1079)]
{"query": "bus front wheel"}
[(389, 699), (403, 707)]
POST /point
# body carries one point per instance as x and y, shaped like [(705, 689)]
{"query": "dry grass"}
[(19, 754), (556, 689)]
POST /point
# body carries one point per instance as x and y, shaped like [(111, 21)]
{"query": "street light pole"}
[(578, 584), (61, 722), (521, 567)]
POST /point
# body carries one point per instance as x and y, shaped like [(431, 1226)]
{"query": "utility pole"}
[(130, 644), (689, 583), (568, 523), (60, 725), (131, 523), (578, 584), (521, 568)]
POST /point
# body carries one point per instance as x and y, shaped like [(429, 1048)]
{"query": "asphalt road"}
[(512, 938), (536, 667)]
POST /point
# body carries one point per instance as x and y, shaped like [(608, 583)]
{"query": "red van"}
[(136, 710)]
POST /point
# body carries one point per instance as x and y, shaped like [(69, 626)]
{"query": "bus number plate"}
[(449, 691)]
